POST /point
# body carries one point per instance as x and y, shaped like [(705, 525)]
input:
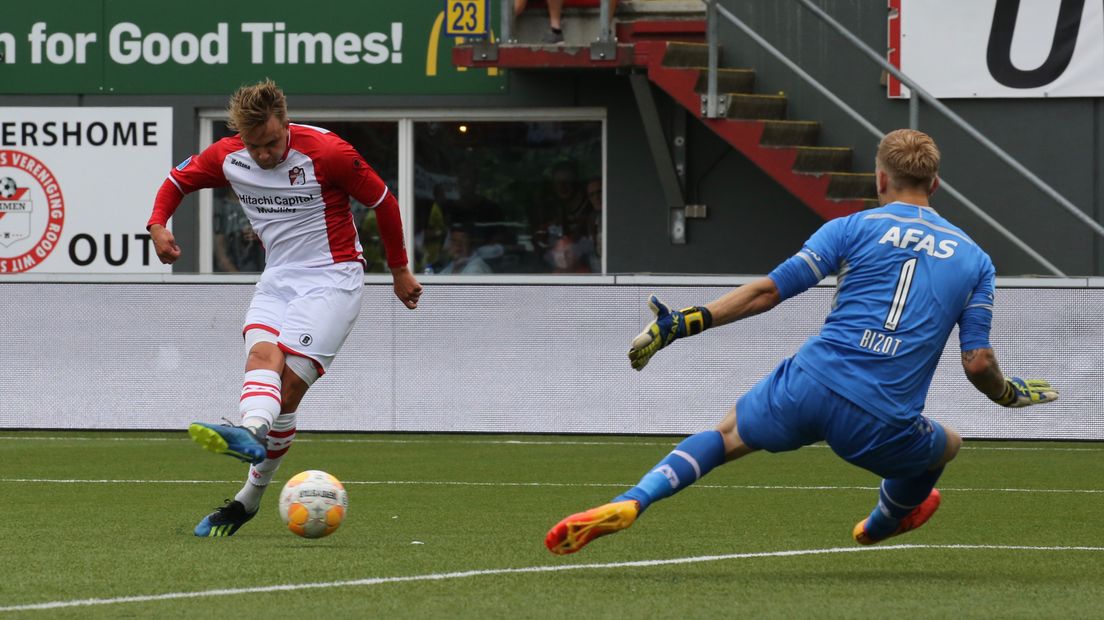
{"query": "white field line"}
[(373, 581), (355, 440), (462, 483), (499, 442)]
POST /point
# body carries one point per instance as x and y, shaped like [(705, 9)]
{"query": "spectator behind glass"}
[(470, 208), (236, 247), (577, 251), (565, 257), (464, 260), (374, 259), (481, 217), (566, 214), (430, 242), (246, 251), (594, 224)]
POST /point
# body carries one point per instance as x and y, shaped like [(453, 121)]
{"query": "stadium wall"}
[(505, 357), (753, 223), (1059, 139)]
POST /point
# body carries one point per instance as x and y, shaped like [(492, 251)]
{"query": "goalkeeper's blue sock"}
[(897, 498), (695, 457)]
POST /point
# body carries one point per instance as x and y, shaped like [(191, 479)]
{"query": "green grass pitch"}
[(99, 525)]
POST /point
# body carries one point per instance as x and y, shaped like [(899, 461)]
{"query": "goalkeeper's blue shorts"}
[(789, 409)]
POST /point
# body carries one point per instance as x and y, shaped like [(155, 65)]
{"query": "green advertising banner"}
[(213, 46)]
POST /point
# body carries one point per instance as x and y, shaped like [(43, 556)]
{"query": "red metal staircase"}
[(755, 124)]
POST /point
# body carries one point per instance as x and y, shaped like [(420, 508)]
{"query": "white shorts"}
[(311, 310)]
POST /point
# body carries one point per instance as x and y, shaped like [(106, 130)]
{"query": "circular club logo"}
[(32, 212)]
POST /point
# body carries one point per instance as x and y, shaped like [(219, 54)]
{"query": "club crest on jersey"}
[(297, 176)]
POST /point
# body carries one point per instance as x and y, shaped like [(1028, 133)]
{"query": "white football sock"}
[(260, 475)]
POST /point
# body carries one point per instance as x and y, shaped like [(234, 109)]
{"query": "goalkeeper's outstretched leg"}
[(906, 503), (576, 531), (914, 519), (691, 459)]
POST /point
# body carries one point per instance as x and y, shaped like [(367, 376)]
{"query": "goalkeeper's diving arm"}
[(983, 371), (753, 298)]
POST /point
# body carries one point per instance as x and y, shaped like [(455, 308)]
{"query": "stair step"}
[(822, 159), (687, 55), (690, 30), (790, 133), (728, 81), (756, 107), (852, 186), (756, 125)]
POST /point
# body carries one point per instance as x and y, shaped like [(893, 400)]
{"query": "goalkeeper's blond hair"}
[(910, 158), (251, 106)]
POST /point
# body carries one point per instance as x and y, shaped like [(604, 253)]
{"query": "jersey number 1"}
[(900, 296)]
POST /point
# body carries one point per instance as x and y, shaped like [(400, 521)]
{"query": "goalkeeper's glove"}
[(1024, 392), (668, 326)]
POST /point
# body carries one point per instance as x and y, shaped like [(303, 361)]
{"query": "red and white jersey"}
[(299, 209)]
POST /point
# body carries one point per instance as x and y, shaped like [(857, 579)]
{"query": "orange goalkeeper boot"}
[(919, 516), (575, 531)]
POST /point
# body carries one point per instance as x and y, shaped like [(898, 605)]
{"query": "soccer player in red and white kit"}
[(294, 183)]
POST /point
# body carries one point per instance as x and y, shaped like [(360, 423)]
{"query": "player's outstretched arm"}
[(753, 298), (164, 244), (983, 371), (407, 287), (670, 325)]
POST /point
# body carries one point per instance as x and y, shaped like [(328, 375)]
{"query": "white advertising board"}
[(77, 186), (998, 48)]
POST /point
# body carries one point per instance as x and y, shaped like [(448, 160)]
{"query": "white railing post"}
[(711, 40), (506, 20)]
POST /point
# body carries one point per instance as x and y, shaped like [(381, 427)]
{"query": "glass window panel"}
[(508, 197), (236, 249)]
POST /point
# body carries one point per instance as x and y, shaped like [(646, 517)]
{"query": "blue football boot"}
[(234, 441), (224, 521)]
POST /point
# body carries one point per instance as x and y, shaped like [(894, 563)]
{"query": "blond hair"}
[(910, 158), (251, 106)]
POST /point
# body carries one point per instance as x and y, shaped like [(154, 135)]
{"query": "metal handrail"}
[(713, 7)]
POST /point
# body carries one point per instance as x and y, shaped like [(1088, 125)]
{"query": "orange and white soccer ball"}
[(313, 504)]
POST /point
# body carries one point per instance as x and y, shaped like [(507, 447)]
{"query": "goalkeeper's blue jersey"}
[(905, 276)]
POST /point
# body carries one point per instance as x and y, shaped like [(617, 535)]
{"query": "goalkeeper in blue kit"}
[(905, 277)]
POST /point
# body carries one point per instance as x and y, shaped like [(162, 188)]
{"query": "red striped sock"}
[(260, 400), (260, 475)]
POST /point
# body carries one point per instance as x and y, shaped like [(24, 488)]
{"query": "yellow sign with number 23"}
[(467, 17)]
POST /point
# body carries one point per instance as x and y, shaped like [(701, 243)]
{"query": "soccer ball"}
[(313, 504), (7, 187)]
